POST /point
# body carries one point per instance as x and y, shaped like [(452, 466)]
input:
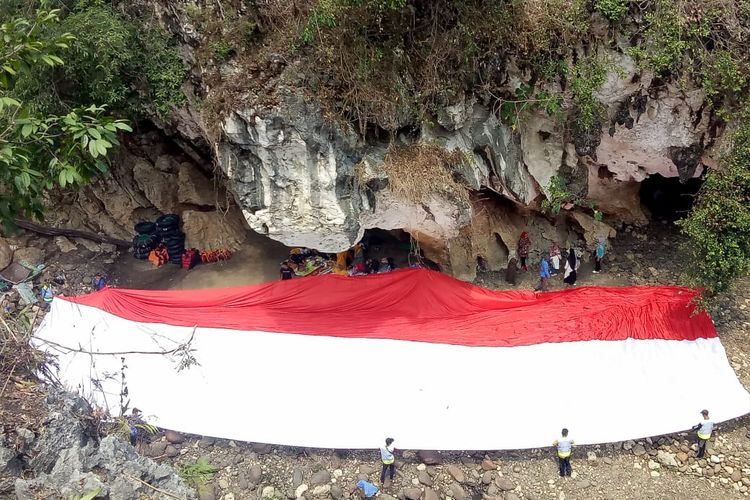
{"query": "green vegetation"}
[(222, 50), (588, 76), (614, 10), (719, 224), (560, 195), (198, 474), (41, 150), (115, 61)]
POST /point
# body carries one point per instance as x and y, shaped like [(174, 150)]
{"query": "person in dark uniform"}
[(285, 271)]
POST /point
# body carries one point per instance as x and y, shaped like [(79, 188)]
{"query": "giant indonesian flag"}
[(436, 363)]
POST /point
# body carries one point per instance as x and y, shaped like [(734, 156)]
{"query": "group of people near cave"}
[(551, 262)]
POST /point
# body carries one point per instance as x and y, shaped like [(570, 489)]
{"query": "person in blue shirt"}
[(98, 282), (365, 489), (47, 295), (598, 255), (544, 274)]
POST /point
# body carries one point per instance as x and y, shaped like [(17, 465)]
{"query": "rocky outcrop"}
[(68, 460), (150, 178)]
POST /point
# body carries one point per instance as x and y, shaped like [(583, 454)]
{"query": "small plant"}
[(222, 50), (525, 99), (614, 10), (199, 473), (559, 196), (322, 16), (88, 496)]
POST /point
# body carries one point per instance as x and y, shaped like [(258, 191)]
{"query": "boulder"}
[(160, 188), (488, 464), (424, 478), (255, 474), (174, 437), (456, 473), (212, 230), (430, 457), (667, 459), (320, 477), (29, 255), (297, 477), (194, 188), (639, 450), (300, 490), (321, 490), (412, 493), (6, 254), (430, 494), (458, 492), (505, 484)]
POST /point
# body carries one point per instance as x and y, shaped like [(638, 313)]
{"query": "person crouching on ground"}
[(564, 447), (388, 459), (363, 489), (98, 283), (704, 429), (543, 274)]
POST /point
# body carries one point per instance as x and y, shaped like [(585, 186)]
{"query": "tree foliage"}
[(116, 61), (39, 151), (719, 224)]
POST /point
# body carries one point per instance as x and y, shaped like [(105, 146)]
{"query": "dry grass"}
[(418, 171)]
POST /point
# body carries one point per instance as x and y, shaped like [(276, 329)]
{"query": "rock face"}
[(68, 462), (151, 177), (305, 180)]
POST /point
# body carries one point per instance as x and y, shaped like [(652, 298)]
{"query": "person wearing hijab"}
[(598, 255), (524, 245), (571, 267)]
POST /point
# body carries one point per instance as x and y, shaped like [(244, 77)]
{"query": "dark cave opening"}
[(667, 197)]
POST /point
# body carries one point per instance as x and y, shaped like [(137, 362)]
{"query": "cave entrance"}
[(395, 243), (667, 197)]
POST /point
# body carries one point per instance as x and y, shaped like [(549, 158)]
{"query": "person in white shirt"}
[(704, 429), (564, 447), (388, 459)]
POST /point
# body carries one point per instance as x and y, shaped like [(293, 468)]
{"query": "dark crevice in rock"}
[(686, 160)]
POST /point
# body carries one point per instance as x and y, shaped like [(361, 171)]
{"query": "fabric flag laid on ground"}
[(436, 363)]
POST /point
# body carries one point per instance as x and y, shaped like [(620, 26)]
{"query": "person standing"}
[(544, 274), (285, 271), (554, 258), (511, 271), (564, 447), (571, 267), (524, 245), (388, 459), (599, 255), (704, 429)]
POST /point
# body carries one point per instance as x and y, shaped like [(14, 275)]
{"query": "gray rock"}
[(171, 451), (424, 478), (412, 493), (430, 494), (10, 465), (458, 492), (429, 457), (297, 477), (206, 492), (667, 459), (321, 490), (268, 493), (25, 439), (336, 492), (639, 450), (488, 477), (511, 496), (582, 484), (255, 474), (736, 476), (505, 484), (456, 473), (157, 448), (174, 437), (320, 477)]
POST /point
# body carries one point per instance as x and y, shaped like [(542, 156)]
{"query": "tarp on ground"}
[(436, 363)]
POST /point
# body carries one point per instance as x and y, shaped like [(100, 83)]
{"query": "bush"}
[(614, 10), (718, 227)]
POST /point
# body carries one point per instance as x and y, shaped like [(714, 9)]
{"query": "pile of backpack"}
[(166, 230)]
